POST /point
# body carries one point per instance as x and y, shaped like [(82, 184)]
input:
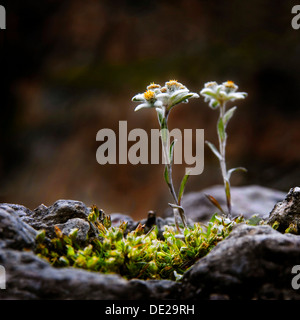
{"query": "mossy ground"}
[(135, 254)]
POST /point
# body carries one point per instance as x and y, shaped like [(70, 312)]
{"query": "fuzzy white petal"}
[(142, 106), (163, 98), (139, 97), (237, 95), (208, 92), (158, 104)]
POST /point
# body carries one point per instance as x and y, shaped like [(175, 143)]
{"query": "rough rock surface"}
[(252, 263), (58, 214), (82, 226), (66, 214), (28, 277), (287, 212), (246, 200), (14, 233)]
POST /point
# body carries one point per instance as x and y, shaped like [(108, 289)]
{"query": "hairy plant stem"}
[(168, 166), (222, 149)]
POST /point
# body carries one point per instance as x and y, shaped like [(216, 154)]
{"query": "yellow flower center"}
[(210, 84), (230, 84), (153, 86), (172, 83), (149, 95)]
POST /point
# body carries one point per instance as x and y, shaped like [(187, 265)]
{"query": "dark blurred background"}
[(72, 67)]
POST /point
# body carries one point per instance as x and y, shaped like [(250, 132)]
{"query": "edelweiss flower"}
[(217, 94), (175, 93), (174, 85), (148, 99), (164, 98)]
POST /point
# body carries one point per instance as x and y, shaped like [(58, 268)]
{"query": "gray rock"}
[(28, 277), (287, 212), (60, 214), (14, 233), (252, 263), (20, 210), (82, 226), (246, 200)]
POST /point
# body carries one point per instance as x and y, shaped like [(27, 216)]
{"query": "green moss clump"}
[(135, 254)]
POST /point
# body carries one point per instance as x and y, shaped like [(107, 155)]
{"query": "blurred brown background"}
[(73, 67)]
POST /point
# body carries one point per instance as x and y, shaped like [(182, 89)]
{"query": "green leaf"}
[(228, 115), (214, 150), (163, 124), (275, 225), (221, 129), (181, 213), (171, 152), (213, 218), (160, 117), (41, 235), (235, 169), (228, 194), (178, 98), (166, 175), (63, 261), (214, 202), (210, 224), (214, 104), (182, 186)]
